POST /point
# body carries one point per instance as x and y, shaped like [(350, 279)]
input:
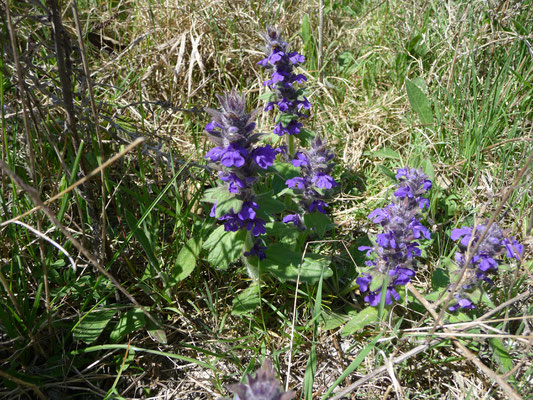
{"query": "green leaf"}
[(305, 136), (331, 320), (434, 296), (284, 233), (428, 169), (440, 278), (363, 318), (224, 247), (103, 347), (310, 371), (419, 101), (186, 261), (267, 96), (387, 172), (142, 239), (479, 295), (285, 119), (306, 30), (158, 335), (387, 152), (318, 223), (458, 317), (247, 301), (129, 322), (269, 205), (501, 355), (346, 59), (286, 170), (283, 263), (377, 282), (92, 324), (226, 202)]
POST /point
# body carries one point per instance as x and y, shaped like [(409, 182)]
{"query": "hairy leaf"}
[(92, 324), (363, 318), (224, 247)]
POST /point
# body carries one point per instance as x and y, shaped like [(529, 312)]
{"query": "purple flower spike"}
[(364, 282), (239, 158), (412, 185), (300, 160), (396, 249), (296, 58), (264, 386), (215, 154), (296, 182), (257, 250), (257, 226), (323, 181), (213, 210), (369, 250), (281, 62), (234, 156), (315, 177), (378, 215), (247, 211), (514, 249), (235, 184), (489, 255), (295, 219), (374, 298), (292, 128), (464, 232), (462, 303), (318, 205), (264, 156), (419, 229), (403, 276)]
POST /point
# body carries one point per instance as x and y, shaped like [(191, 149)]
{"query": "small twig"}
[(341, 359), (511, 393), (5, 284), (472, 324), (49, 240), (493, 146), (505, 305), (392, 375), (18, 381), (289, 363), (320, 38), (96, 171), (453, 334), (60, 39), (380, 370), (96, 123)]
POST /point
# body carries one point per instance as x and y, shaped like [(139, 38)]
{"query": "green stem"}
[(253, 272), (290, 143)]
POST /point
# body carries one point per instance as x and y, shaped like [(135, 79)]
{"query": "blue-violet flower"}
[(315, 168), (238, 157), (289, 101), (484, 263), (396, 247), (264, 386)]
